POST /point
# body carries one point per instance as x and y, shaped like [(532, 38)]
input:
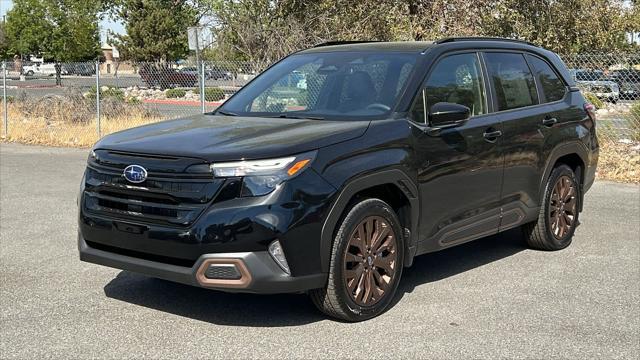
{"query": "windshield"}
[(334, 85)]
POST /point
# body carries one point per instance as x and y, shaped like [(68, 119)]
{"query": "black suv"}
[(331, 183)]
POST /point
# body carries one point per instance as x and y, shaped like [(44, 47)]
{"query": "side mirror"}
[(445, 115)]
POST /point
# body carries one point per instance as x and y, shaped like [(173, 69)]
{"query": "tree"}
[(156, 29), (62, 30), (4, 45), (27, 27), (75, 36), (565, 26), (263, 31)]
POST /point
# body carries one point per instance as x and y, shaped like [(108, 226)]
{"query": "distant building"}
[(112, 63)]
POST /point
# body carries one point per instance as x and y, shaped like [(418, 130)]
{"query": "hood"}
[(225, 138)]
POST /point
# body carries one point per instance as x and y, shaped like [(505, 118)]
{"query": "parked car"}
[(596, 82), (628, 81), (189, 70), (80, 69), (210, 72), (218, 73), (393, 150), (165, 77), (38, 69)]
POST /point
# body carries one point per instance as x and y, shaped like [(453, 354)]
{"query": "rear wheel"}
[(366, 263), (558, 217)]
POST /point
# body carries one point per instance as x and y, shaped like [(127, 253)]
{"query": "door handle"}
[(549, 122), (492, 136)]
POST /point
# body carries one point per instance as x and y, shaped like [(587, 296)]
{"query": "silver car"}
[(597, 83)]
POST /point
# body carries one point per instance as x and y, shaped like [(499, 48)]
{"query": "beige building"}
[(112, 63)]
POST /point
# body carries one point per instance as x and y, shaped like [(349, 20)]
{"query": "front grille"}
[(175, 198)]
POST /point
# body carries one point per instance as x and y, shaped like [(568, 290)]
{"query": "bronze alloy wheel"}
[(563, 207), (370, 261)]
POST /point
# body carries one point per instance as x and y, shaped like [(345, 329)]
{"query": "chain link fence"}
[(74, 104), (612, 83)]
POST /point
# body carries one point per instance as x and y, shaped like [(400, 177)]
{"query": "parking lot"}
[(492, 298)]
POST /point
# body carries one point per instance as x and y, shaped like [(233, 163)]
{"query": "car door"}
[(528, 117), (459, 168)]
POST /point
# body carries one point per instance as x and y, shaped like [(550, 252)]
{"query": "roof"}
[(405, 46), (400, 46)]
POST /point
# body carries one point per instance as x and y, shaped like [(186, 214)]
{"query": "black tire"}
[(334, 299), (540, 234)]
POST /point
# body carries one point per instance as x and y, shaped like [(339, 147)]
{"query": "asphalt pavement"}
[(492, 298)]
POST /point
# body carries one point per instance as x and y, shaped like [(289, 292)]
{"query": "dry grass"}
[(64, 121), (619, 162), (56, 133)]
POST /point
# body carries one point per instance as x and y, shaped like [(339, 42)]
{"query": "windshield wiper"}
[(292, 116), (228, 113)]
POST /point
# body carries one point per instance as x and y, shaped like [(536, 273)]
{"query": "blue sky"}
[(105, 25)]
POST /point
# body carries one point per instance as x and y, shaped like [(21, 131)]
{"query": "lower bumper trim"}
[(259, 273)]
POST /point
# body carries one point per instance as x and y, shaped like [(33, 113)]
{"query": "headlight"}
[(261, 177)]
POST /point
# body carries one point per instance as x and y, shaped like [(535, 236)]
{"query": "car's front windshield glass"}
[(331, 85)]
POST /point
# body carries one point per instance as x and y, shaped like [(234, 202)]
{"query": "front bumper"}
[(258, 272)]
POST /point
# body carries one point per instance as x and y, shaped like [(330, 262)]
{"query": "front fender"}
[(396, 177)]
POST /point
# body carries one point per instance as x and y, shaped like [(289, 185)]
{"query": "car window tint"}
[(417, 112), (552, 86), (457, 79), (297, 90), (512, 80), (337, 85)]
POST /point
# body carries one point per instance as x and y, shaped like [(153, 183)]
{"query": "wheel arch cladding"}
[(572, 154), (391, 186)]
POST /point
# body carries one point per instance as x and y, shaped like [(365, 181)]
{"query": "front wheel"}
[(366, 263), (558, 217)]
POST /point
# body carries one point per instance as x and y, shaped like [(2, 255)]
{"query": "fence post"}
[(4, 99), (202, 97), (98, 98)]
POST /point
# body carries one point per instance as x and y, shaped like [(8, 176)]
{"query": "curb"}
[(178, 102), (43, 86)]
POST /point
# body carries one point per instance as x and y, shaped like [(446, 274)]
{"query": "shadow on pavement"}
[(296, 309), (443, 264)]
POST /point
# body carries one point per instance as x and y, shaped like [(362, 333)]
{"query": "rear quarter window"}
[(553, 88), (512, 80)]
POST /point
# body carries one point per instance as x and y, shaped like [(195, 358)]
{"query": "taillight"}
[(591, 111)]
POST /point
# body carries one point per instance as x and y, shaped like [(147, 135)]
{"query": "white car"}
[(40, 69)]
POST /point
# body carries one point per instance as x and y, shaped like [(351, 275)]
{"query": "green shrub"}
[(590, 97), (211, 93), (634, 122), (9, 99), (110, 92), (132, 100), (635, 111), (175, 93)]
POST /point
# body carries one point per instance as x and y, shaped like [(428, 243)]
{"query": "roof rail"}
[(343, 42), (482, 38)]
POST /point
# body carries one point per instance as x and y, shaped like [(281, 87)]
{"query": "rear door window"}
[(553, 88), (512, 80)]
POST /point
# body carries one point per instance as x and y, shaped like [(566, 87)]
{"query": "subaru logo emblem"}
[(135, 174)]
